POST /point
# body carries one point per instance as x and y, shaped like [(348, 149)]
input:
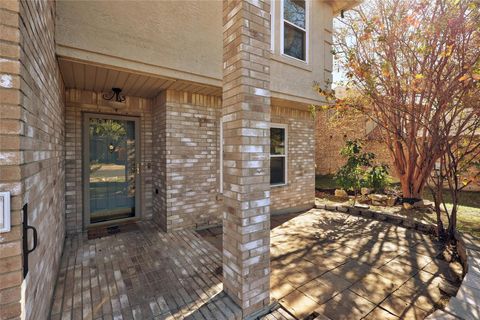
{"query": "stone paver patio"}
[(346, 267), (325, 265), (332, 265)]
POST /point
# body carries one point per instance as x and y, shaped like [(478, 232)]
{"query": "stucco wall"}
[(183, 40), (78, 102), (292, 79), (181, 37)]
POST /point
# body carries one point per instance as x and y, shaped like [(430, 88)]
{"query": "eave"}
[(339, 5)]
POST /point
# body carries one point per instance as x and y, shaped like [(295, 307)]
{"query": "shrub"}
[(360, 171), (377, 178)]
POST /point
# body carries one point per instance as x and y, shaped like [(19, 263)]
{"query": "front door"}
[(111, 168)]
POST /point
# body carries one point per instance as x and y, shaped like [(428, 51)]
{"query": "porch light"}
[(114, 94)]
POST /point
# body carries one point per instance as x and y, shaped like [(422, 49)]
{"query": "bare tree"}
[(416, 65), (456, 169)]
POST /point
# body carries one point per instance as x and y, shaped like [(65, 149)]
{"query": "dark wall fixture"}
[(115, 95)]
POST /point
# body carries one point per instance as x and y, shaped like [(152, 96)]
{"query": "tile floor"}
[(345, 267)]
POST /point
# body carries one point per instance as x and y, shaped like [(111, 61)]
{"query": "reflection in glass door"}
[(110, 168)]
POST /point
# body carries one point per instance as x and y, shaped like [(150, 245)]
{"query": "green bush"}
[(360, 171), (377, 178)]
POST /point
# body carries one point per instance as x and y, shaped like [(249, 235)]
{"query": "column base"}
[(262, 312)]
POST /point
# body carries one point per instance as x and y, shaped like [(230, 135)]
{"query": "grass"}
[(325, 182), (468, 212), (468, 219)]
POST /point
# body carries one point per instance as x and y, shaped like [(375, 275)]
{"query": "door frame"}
[(86, 164)]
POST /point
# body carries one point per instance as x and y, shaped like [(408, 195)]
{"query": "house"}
[(115, 111)]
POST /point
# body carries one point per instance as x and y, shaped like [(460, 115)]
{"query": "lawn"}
[(468, 213), (325, 182)]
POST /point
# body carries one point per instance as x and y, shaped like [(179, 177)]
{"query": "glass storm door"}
[(110, 168)]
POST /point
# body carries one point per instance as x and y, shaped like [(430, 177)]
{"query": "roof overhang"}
[(339, 5)]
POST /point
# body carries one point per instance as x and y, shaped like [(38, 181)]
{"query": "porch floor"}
[(142, 273)]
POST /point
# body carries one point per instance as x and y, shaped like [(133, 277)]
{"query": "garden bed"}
[(468, 211), (411, 219)]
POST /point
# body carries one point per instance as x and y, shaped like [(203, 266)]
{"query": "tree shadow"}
[(382, 262)]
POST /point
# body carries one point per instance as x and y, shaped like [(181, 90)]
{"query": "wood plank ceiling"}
[(83, 76)]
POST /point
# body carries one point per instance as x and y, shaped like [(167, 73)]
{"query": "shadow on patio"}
[(346, 267), (337, 266)]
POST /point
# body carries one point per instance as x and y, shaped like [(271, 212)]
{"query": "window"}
[(220, 187), (278, 154), (295, 29), (272, 26)]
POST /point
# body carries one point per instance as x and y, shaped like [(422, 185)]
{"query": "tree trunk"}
[(412, 188), (452, 227), (438, 211)]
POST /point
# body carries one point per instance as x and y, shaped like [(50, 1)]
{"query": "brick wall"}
[(246, 118), (159, 164), (11, 158), (31, 153), (186, 155), (186, 160), (299, 193), (78, 102), (331, 134)]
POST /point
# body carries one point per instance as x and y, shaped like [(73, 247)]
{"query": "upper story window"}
[(295, 29)]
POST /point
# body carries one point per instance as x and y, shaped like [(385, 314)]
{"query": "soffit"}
[(99, 78)]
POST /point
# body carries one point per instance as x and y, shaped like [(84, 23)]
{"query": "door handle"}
[(27, 251), (35, 239)]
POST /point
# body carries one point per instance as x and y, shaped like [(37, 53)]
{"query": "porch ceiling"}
[(85, 76)]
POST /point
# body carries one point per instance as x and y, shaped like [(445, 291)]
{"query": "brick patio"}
[(141, 274)]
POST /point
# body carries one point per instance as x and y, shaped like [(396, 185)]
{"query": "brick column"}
[(246, 112)]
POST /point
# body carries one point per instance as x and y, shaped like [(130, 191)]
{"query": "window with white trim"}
[(294, 30), (220, 187), (272, 26), (278, 154)]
